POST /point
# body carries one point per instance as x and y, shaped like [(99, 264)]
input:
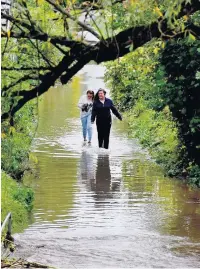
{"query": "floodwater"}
[(103, 209)]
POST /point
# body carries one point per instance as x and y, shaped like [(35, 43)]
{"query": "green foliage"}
[(144, 12), (15, 154), (159, 83), (132, 77), (157, 132), (16, 199), (16, 141), (181, 64), (22, 52), (194, 175), (25, 196)]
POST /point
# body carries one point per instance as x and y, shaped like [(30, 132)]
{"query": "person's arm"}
[(80, 103), (94, 113), (115, 111)]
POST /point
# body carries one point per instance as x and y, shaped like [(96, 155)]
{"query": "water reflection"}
[(185, 217), (97, 176), (87, 164), (54, 194), (104, 210), (102, 185), (173, 208)]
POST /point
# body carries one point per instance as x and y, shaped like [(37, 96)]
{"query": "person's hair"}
[(91, 92), (97, 94)]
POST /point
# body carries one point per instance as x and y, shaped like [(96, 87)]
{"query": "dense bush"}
[(16, 199), (181, 64), (159, 84), (132, 77), (158, 133), (16, 141)]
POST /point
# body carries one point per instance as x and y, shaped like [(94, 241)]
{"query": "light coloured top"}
[(84, 101)]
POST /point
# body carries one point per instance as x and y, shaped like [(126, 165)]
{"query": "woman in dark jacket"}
[(101, 111)]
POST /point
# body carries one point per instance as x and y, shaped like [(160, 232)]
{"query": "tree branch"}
[(64, 12), (60, 49), (23, 3), (48, 80), (36, 33), (76, 67), (43, 37), (50, 63), (189, 8), (23, 68), (24, 78), (81, 54), (138, 36), (18, 21)]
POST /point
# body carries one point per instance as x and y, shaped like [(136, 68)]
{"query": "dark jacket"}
[(101, 111)]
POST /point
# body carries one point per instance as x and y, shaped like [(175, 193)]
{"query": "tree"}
[(181, 62), (49, 37)]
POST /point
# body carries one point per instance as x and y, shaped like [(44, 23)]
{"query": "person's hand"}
[(85, 107)]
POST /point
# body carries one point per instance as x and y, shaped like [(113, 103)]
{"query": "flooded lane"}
[(103, 209)]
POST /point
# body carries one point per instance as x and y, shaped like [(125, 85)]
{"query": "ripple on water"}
[(98, 208)]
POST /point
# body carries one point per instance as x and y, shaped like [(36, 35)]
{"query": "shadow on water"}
[(103, 209)]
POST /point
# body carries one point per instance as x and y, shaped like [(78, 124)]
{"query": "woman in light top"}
[(85, 104)]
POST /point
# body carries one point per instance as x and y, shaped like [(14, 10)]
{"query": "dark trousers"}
[(103, 129)]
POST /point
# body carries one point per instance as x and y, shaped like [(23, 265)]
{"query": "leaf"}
[(33, 158), (3, 135), (156, 50), (185, 18), (198, 75), (158, 11), (131, 47), (40, 2), (132, 2), (163, 45), (191, 37), (12, 130), (141, 50), (8, 34), (49, 43)]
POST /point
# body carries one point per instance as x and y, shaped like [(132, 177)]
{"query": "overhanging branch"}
[(24, 78), (83, 25), (138, 36), (37, 34), (23, 68), (81, 54)]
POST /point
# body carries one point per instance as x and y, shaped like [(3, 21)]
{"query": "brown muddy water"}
[(103, 209)]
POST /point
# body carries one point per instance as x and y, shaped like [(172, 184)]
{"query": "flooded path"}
[(99, 209)]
